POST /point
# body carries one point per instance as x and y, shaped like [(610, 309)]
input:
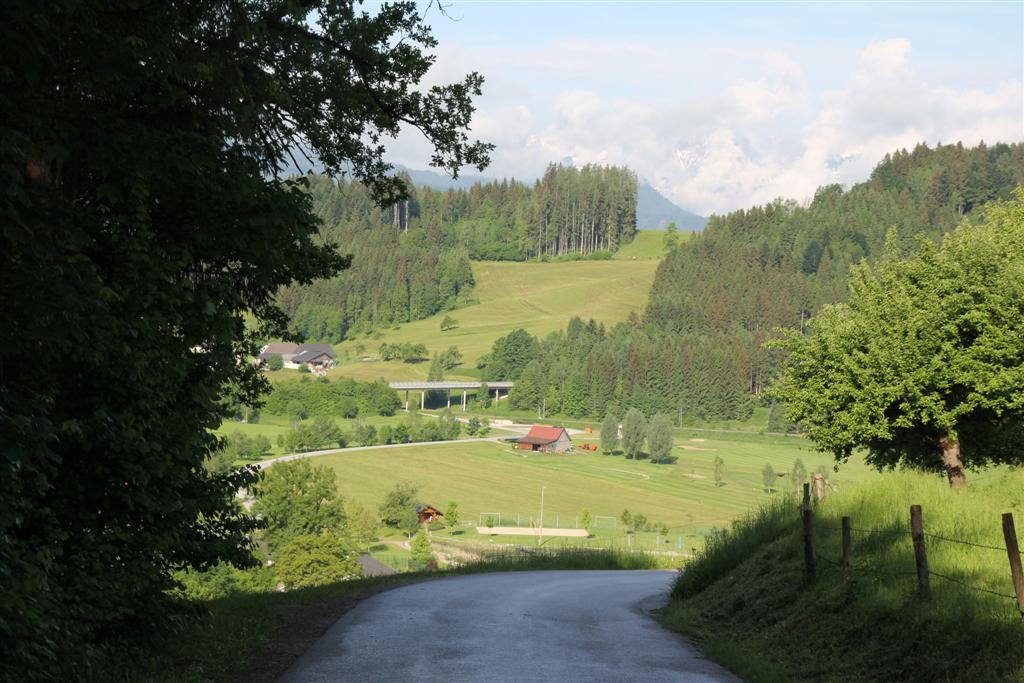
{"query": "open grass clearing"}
[(539, 297), (485, 477)]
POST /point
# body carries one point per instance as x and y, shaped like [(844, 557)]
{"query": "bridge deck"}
[(442, 385)]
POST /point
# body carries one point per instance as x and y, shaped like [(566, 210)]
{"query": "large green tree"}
[(298, 498), (398, 502), (609, 433), (144, 224), (634, 431), (659, 438), (317, 560), (925, 364)]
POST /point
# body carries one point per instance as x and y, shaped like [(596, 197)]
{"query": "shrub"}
[(316, 560)]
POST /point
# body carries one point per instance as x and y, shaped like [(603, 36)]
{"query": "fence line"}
[(918, 535), (1002, 549)]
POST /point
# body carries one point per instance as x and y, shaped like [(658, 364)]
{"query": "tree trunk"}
[(951, 460)]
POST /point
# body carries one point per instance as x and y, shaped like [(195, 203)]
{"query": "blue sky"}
[(721, 105)]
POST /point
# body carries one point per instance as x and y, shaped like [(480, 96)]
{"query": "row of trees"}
[(587, 371), (412, 259), (635, 431), (341, 397), (323, 432)]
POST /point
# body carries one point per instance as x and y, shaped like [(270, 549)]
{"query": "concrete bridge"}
[(448, 386)]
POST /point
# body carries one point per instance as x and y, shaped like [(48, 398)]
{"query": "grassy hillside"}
[(539, 297), (493, 478), (745, 598)]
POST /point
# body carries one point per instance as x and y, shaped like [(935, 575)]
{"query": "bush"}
[(316, 560), (223, 580), (422, 557), (275, 363)]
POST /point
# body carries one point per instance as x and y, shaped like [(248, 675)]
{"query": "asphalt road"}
[(516, 626)]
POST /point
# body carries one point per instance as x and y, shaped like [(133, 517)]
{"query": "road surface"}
[(514, 626)]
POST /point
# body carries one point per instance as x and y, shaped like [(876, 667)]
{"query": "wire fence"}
[(907, 532), (918, 537)]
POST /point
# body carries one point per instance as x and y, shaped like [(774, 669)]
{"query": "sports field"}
[(490, 478)]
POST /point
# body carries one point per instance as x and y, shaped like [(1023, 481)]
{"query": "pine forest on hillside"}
[(412, 259), (717, 298)]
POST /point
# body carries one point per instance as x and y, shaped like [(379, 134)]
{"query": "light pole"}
[(540, 529)]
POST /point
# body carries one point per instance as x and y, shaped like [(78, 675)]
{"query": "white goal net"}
[(492, 518)]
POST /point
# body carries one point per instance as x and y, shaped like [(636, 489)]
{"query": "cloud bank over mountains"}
[(742, 127)]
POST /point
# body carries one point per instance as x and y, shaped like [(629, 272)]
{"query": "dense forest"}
[(717, 298), (412, 259)]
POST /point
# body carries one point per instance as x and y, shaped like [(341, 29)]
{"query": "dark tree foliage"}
[(142, 219), (412, 259), (510, 355), (587, 371)]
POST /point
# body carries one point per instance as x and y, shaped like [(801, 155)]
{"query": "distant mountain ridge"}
[(654, 211)]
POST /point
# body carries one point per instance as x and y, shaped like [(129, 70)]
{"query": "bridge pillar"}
[(449, 398), (407, 400), (463, 401), (423, 400)]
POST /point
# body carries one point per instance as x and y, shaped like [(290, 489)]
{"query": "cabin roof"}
[(541, 434)]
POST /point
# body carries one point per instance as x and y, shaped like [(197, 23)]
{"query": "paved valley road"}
[(515, 626)]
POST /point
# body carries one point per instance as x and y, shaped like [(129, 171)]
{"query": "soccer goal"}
[(494, 517), (603, 522)]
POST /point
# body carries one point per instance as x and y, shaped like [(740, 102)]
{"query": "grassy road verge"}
[(746, 601)]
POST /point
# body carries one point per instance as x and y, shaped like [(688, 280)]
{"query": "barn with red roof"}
[(546, 439)]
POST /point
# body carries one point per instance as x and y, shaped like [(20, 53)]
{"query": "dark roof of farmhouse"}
[(321, 348), (307, 356)]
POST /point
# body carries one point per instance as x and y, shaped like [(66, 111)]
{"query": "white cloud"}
[(724, 130)]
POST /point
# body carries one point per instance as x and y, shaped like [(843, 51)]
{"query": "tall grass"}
[(727, 548), (745, 596)]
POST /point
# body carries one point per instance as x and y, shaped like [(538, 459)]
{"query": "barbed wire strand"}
[(926, 533), (879, 572), (962, 542), (973, 588)]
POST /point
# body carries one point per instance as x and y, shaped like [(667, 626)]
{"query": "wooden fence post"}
[(810, 559), (1013, 550), (847, 568), (920, 555)]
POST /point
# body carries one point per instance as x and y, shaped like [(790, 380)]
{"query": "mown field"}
[(494, 478)]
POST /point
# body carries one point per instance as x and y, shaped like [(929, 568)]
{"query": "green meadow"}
[(487, 477), (538, 297)]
